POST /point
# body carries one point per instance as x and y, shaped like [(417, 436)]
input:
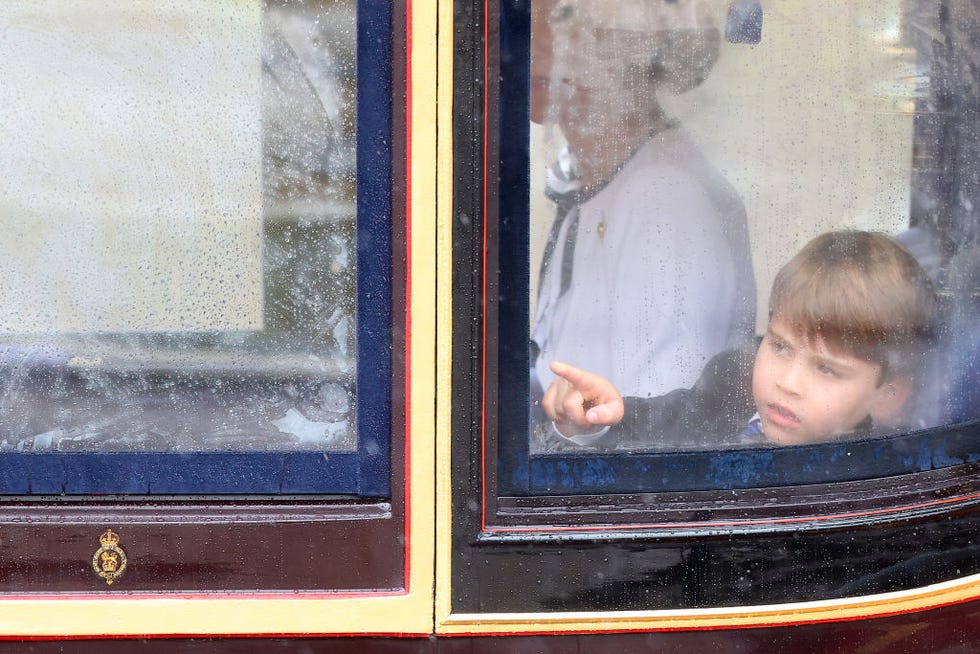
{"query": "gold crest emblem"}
[(109, 561)]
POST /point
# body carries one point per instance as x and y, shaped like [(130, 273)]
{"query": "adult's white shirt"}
[(661, 279)]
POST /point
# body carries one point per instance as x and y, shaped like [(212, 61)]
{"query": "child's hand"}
[(580, 401)]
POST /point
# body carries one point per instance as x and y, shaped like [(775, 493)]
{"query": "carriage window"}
[(748, 237), (185, 307)]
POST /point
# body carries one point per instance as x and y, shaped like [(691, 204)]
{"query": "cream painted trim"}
[(121, 614), (422, 285), (129, 615), (444, 319), (870, 606)]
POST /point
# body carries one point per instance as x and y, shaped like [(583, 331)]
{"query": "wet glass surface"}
[(682, 152), (196, 288)]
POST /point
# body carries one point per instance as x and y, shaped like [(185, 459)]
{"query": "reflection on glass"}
[(853, 117), (180, 213)]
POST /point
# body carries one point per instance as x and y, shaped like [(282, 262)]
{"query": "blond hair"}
[(860, 293)]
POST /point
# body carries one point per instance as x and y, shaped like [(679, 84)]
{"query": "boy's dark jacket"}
[(708, 415)]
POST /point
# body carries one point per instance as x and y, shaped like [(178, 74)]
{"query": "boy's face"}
[(806, 392)]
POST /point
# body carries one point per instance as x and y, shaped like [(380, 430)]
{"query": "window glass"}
[(684, 153), (179, 254)]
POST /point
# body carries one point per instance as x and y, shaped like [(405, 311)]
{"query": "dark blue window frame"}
[(586, 473), (365, 473)]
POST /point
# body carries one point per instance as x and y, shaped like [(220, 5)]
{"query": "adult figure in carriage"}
[(647, 272)]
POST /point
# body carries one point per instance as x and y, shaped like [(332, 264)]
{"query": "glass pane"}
[(179, 198), (682, 153)]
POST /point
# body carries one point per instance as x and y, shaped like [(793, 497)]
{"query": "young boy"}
[(850, 318)]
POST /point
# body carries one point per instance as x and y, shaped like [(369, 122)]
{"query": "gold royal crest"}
[(109, 561)]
